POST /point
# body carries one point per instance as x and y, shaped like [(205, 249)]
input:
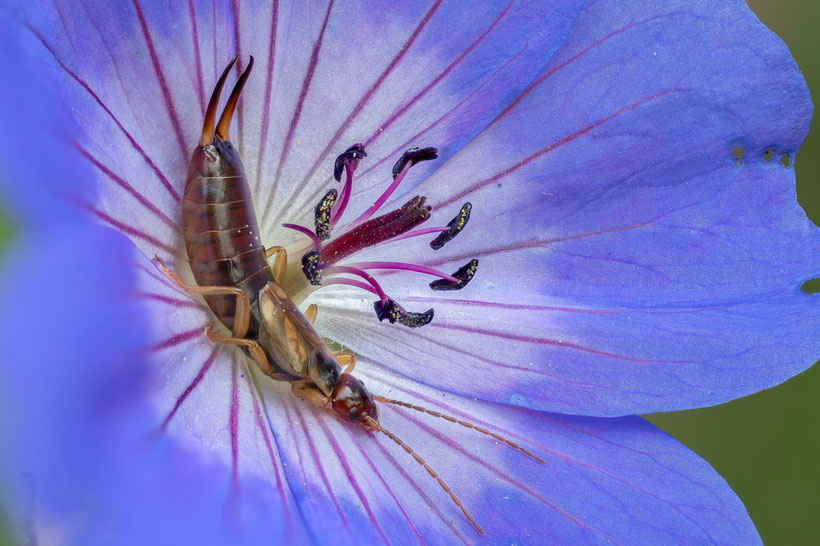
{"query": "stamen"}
[(407, 160), (339, 269), (350, 282), (310, 267), (406, 267), (348, 160), (455, 226), (317, 243), (464, 275), (393, 312), (377, 230), (385, 307), (323, 214)]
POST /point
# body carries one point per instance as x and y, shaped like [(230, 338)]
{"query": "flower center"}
[(321, 262)]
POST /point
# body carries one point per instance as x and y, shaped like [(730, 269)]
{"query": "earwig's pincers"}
[(394, 312), (455, 225), (322, 214), (310, 267), (413, 156), (464, 275), (350, 156)]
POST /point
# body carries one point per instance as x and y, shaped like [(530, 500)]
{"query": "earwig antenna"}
[(224, 124), (375, 424), (207, 137), (462, 423)]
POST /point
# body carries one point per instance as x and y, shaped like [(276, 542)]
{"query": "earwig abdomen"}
[(221, 231)]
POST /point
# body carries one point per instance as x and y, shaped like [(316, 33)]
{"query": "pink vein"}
[(386, 486), (401, 111), (498, 472), (127, 187), (200, 84), (314, 58), (547, 341), (263, 135), (233, 422), (366, 98), (166, 93), (97, 99), (318, 461), (353, 482), (257, 413), (191, 386), (569, 138), (176, 339), (240, 124), (533, 243), (528, 307), (128, 230)]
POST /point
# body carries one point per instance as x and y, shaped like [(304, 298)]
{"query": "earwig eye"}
[(353, 414)]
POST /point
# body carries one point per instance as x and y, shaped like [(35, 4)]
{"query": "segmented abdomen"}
[(223, 242)]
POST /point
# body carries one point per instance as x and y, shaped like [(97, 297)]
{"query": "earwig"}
[(243, 289)]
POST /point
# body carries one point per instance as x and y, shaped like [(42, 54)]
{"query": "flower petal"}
[(138, 82), (639, 485), (629, 262), (81, 460)]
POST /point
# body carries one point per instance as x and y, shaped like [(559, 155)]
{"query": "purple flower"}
[(632, 210)]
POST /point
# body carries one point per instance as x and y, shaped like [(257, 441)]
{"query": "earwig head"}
[(351, 401)]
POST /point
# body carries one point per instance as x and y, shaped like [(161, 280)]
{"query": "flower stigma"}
[(320, 262)]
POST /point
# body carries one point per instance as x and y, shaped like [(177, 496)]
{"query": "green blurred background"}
[(767, 445)]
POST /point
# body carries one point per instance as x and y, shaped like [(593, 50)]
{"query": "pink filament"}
[(350, 282), (317, 243), (384, 197), (340, 207), (402, 266), (341, 269), (416, 233)]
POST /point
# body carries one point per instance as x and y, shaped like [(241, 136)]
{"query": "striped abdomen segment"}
[(223, 242)]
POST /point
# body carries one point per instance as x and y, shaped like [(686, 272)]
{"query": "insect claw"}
[(207, 137), (224, 124)]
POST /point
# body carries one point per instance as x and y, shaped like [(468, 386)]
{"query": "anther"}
[(464, 275), (322, 214), (413, 156), (310, 267), (351, 156), (394, 312), (455, 225)]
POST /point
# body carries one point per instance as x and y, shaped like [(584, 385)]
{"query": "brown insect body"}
[(232, 271), (221, 231)]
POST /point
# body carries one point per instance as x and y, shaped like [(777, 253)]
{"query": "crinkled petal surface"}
[(629, 262)]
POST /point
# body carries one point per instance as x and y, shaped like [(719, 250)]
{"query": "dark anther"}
[(322, 213), (310, 267), (394, 312), (413, 155), (354, 153), (455, 225), (464, 275)]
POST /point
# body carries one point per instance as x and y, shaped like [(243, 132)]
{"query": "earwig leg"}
[(243, 305), (311, 313), (307, 391), (256, 352), (280, 263), (346, 359)]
